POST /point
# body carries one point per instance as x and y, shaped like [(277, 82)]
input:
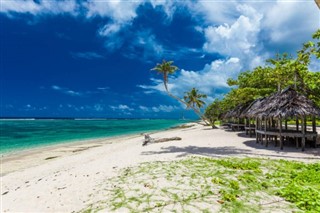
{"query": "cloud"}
[(287, 30), (144, 46), (215, 11), (66, 91), (160, 108), (168, 6), (165, 108), (239, 34), (98, 107), (86, 55), (121, 107), (122, 11), (144, 108), (211, 80), (103, 88), (28, 107), (12, 7), (110, 29), (240, 39)]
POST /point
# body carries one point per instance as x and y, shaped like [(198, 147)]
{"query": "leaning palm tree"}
[(166, 68), (318, 3)]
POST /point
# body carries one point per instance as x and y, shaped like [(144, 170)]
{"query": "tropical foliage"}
[(213, 112), (165, 68), (193, 98), (280, 72)]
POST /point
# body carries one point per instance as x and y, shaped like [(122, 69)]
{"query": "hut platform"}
[(250, 129), (260, 134), (238, 127)]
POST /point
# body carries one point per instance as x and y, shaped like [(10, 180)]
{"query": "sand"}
[(66, 178)]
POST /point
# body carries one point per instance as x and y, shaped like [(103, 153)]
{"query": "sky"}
[(72, 58)]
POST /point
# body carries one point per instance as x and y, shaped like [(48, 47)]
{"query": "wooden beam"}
[(297, 124), (314, 130), (286, 124), (280, 131), (265, 131), (305, 124), (250, 131), (245, 124), (256, 130), (303, 141)]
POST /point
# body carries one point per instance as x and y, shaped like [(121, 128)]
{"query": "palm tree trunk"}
[(318, 3)]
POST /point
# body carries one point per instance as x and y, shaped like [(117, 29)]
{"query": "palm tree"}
[(193, 100), (166, 68)]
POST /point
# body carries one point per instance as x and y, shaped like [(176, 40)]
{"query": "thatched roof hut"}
[(236, 112), (252, 108), (284, 104)]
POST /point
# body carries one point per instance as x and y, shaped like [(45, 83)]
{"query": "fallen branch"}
[(148, 139)]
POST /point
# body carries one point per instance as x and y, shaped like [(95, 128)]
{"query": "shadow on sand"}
[(230, 151)]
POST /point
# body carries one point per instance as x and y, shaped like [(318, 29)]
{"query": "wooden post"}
[(280, 131), (286, 124), (314, 130), (265, 131), (245, 125), (305, 124), (250, 130), (256, 130), (297, 128), (303, 141)]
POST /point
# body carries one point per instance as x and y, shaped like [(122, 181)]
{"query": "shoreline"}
[(45, 152), (74, 177), (74, 139)]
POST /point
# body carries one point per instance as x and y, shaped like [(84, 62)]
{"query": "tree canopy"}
[(279, 72)]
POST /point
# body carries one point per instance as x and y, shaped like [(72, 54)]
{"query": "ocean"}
[(16, 135)]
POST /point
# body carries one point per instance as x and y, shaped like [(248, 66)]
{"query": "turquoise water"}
[(17, 135)]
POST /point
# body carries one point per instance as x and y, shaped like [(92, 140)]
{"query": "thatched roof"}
[(253, 108), (236, 112), (287, 103)]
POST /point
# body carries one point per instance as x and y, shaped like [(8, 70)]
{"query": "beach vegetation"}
[(213, 112), (201, 184)]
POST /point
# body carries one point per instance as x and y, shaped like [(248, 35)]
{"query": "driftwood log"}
[(148, 139), (167, 139)]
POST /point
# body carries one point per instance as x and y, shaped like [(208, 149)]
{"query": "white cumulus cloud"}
[(38, 8)]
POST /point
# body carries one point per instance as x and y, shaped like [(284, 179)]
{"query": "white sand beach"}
[(66, 178)]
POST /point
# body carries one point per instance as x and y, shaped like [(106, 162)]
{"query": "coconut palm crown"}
[(193, 98), (165, 68)]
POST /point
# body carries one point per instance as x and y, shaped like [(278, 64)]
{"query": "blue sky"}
[(72, 58)]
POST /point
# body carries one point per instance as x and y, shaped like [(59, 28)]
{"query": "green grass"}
[(214, 185)]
